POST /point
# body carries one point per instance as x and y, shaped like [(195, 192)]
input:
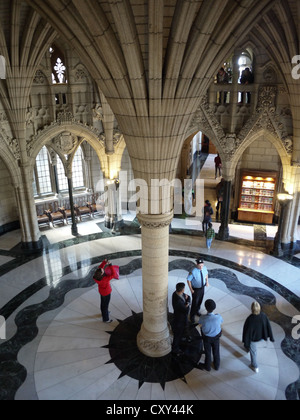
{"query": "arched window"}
[(62, 180), (48, 182), (78, 170), (245, 61), (246, 76), (42, 174), (78, 173)]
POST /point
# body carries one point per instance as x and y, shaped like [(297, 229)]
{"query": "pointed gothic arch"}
[(83, 133), (78, 130), (274, 140), (11, 164)]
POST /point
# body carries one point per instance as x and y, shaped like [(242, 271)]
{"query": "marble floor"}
[(55, 346)]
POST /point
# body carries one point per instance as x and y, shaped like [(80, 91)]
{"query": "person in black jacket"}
[(257, 328), (181, 305)]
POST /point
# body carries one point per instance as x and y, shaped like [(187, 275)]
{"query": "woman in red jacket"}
[(103, 276)]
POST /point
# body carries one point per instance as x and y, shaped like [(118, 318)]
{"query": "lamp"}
[(284, 199)]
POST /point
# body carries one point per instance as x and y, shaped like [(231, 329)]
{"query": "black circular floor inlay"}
[(131, 362)]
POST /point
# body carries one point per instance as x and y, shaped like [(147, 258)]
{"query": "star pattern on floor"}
[(131, 362), (224, 274)]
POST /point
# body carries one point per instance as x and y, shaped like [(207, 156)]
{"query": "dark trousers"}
[(105, 300), (205, 225), (178, 331), (212, 347), (198, 297)]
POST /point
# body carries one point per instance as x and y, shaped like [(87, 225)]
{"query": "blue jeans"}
[(208, 243)]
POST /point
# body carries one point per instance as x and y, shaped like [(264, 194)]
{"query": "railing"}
[(233, 94)]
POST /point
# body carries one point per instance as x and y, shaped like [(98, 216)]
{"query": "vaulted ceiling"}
[(152, 50), (24, 38), (152, 59)]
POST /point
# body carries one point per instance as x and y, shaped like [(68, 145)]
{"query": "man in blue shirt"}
[(197, 281), (211, 333)]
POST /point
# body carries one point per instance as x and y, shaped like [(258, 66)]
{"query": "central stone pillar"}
[(154, 338)]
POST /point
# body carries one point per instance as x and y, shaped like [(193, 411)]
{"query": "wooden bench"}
[(57, 212), (44, 220)]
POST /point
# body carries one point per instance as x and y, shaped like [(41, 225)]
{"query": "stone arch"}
[(119, 152), (205, 121), (12, 166), (275, 140), (90, 135)]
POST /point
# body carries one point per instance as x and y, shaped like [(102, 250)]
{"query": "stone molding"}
[(155, 221), (266, 117)]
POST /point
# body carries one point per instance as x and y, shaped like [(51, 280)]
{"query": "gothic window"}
[(48, 182), (58, 64), (61, 176), (78, 175), (246, 76), (245, 61), (42, 174), (78, 169)]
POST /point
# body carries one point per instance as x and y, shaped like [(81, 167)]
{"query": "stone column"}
[(74, 228), (225, 210), (154, 338), (292, 213), (31, 236)]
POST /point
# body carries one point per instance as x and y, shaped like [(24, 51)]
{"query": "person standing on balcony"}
[(222, 79), (247, 78), (218, 166)]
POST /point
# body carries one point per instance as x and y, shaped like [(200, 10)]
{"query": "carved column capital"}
[(155, 221)]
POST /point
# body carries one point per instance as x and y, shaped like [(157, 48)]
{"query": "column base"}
[(112, 223), (281, 250), (32, 247), (154, 344), (223, 234), (74, 230)]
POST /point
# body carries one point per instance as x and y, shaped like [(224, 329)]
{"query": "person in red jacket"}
[(103, 276)]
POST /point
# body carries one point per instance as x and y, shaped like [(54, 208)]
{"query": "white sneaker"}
[(108, 322), (256, 370)]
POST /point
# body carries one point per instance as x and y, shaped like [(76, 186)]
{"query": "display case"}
[(257, 197)]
